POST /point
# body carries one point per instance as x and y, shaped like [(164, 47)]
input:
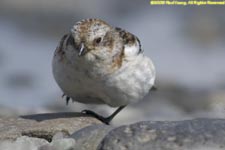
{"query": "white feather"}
[(131, 50)]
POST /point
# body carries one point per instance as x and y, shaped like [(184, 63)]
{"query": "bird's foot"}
[(67, 98), (105, 120)]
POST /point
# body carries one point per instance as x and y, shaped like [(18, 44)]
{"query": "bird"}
[(96, 63)]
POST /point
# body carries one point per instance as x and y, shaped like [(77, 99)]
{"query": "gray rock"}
[(61, 144), (44, 125), (161, 135), (59, 135), (89, 138), (22, 143)]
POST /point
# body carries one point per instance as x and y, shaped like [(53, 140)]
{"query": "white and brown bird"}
[(99, 64)]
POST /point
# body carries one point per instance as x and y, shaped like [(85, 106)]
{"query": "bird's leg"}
[(154, 88), (105, 120), (67, 98)]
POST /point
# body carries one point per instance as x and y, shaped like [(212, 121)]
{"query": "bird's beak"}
[(82, 50), (79, 47)]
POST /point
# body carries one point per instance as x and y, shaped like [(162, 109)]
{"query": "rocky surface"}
[(60, 144), (74, 131), (21, 143), (43, 126), (175, 135), (90, 137)]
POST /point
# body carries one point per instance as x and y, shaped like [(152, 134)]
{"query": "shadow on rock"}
[(49, 116)]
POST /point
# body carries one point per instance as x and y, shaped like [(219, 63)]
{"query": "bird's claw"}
[(67, 98)]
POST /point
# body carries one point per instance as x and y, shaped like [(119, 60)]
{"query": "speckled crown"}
[(86, 23)]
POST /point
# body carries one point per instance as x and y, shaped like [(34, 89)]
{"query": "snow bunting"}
[(96, 63)]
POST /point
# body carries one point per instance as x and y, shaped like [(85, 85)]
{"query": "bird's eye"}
[(98, 40)]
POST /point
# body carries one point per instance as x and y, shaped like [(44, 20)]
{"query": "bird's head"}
[(94, 40)]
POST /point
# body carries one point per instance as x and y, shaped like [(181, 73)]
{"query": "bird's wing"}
[(61, 43), (132, 45), (66, 40)]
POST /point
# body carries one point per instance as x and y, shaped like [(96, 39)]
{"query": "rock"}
[(59, 135), (162, 135), (44, 125), (62, 144), (73, 131), (22, 143), (89, 138)]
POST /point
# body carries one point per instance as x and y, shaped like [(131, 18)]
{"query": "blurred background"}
[(187, 45)]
